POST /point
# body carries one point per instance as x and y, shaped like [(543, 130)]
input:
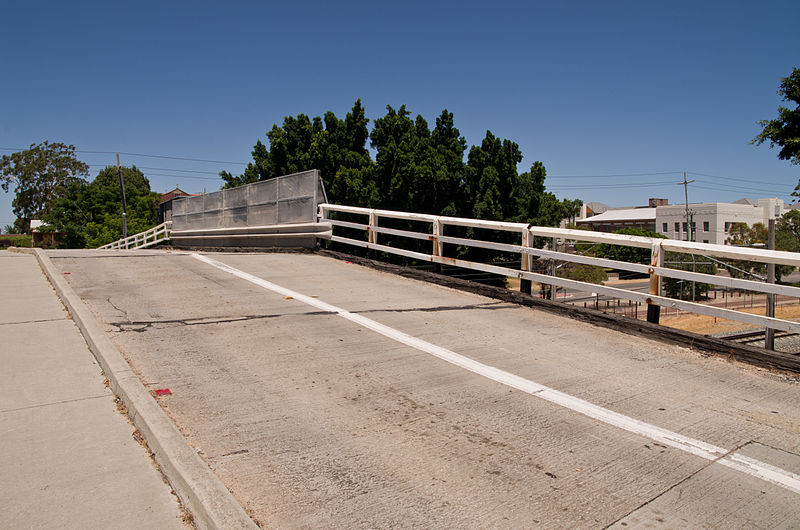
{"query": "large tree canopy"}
[(784, 131), (787, 237), (416, 167), (91, 214), (336, 147), (39, 175)]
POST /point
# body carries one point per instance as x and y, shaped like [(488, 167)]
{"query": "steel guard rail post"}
[(655, 270)]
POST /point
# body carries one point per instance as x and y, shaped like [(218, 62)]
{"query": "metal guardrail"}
[(655, 270), (148, 238)]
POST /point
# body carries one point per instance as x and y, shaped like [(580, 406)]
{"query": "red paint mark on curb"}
[(163, 392)]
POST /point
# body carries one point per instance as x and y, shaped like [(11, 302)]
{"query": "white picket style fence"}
[(656, 269), (145, 239)]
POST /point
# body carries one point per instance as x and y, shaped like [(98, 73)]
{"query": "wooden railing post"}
[(372, 235), (526, 261), (656, 260), (554, 273), (438, 246), (373, 221)]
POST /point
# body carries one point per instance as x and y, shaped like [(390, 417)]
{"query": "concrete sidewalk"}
[(68, 458)]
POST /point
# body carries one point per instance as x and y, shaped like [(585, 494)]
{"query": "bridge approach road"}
[(326, 394)]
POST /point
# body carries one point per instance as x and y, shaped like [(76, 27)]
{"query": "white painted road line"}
[(781, 477)]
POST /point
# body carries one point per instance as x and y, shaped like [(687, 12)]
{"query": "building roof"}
[(177, 192), (745, 200), (597, 207), (626, 214)]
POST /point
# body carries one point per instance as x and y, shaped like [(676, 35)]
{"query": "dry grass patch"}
[(706, 325)]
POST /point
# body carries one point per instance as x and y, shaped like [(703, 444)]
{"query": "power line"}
[(751, 180), (182, 158), (183, 177), (624, 185), (180, 170), (732, 188), (615, 185), (141, 154), (165, 169), (606, 176)]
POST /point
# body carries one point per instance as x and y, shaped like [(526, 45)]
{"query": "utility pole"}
[(688, 221), (124, 203)]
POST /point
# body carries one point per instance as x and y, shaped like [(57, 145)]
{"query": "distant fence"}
[(435, 234), (279, 212)]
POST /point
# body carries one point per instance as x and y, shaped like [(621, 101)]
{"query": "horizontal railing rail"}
[(145, 239), (655, 270)]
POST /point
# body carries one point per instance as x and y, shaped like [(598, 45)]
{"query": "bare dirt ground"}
[(702, 324), (706, 325)]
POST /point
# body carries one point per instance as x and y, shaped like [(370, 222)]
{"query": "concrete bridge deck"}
[(326, 394)]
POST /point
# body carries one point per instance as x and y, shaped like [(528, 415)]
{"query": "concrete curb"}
[(199, 489)]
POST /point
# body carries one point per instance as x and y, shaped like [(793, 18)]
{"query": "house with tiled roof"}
[(165, 206)]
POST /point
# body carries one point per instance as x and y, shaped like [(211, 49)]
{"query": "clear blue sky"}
[(589, 88)]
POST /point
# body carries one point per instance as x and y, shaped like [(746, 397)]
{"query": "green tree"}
[(530, 194), (787, 237), (259, 169), (346, 165), (416, 168), (673, 260), (68, 216), (626, 253), (540, 207), (400, 168), (39, 175), (91, 214), (337, 148), (787, 231), (572, 207), (785, 130), (492, 179), (683, 289), (742, 235), (447, 149), (583, 273)]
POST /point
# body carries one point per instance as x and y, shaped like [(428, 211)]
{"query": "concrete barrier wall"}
[(280, 212)]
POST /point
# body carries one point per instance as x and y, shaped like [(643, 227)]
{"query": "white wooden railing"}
[(655, 270), (148, 238)]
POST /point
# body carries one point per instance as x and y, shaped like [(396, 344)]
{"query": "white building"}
[(618, 218), (711, 222)]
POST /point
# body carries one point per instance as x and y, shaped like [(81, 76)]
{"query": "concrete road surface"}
[(325, 394)]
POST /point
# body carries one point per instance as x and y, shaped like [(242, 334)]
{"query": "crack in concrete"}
[(140, 326), (34, 321), (112, 304), (53, 403), (702, 468), (143, 325)]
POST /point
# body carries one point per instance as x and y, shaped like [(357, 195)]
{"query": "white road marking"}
[(781, 477)]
